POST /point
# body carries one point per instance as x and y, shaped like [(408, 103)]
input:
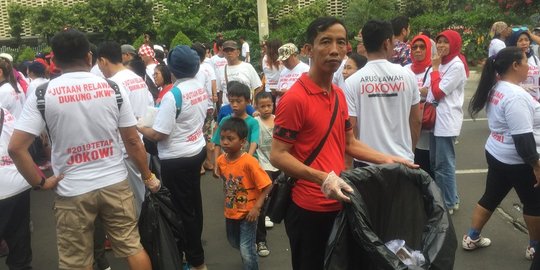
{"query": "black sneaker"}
[(262, 249)]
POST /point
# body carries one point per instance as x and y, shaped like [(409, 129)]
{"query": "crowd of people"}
[(116, 121)]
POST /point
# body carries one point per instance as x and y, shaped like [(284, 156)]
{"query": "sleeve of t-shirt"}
[(453, 77), (518, 113), (254, 130), (254, 79), (259, 176), (216, 137), (289, 118), (166, 115), (30, 119), (225, 111), (414, 85), (497, 46), (350, 96), (250, 110), (127, 117)]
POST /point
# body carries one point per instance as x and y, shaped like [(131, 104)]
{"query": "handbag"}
[(279, 198)]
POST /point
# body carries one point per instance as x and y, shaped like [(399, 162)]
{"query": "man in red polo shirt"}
[(302, 118)]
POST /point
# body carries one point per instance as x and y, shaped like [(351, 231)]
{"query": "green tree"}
[(17, 15), (51, 18), (180, 39), (26, 54), (361, 11)]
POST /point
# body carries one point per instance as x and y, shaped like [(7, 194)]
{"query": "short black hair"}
[(263, 95), (374, 33), (111, 51), (236, 125), (319, 25), (358, 59), (70, 47), (398, 23), (200, 49), (238, 89)]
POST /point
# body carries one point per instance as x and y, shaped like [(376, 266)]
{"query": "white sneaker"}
[(451, 211), (469, 244), (529, 253), (456, 206), (268, 223)]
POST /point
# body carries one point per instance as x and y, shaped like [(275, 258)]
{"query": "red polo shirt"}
[(302, 119)]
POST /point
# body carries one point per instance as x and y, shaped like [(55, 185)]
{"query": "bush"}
[(180, 39), (138, 42), (26, 54)]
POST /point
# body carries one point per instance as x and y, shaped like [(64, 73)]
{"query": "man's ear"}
[(89, 58), (308, 49)]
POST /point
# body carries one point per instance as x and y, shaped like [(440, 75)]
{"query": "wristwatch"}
[(41, 184)]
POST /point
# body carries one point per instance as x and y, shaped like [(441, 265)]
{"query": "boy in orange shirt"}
[(246, 185)]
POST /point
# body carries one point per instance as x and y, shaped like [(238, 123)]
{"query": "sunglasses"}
[(421, 47), (517, 28)]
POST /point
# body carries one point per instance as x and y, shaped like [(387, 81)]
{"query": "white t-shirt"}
[(219, 66), (185, 132), (11, 100), (34, 85), (150, 69), (97, 71), (380, 95), (271, 74), (136, 89), (423, 140), (495, 46), (244, 73), (510, 111), (288, 77), (83, 118), (12, 182), (449, 108), (338, 78), (205, 76), (245, 50), (531, 84)]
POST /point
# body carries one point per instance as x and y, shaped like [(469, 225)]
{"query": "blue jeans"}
[(443, 164), (241, 235)]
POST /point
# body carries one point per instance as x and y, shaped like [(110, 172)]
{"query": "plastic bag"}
[(391, 202), (162, 233), (406, 255)]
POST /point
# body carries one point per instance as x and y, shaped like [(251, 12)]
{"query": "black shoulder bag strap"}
[(317, 150), (425, 75)]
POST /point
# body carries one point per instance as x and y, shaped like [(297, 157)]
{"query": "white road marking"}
[(471, 171), (477, 119)]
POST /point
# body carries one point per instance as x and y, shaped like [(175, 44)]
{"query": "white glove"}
[(153, 184), (332, 188)]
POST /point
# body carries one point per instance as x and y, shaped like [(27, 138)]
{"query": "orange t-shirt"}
[(243, 181)]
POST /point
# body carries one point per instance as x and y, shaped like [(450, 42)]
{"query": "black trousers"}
[(182, 176), (15, 229), (308, 234), (421, 157)]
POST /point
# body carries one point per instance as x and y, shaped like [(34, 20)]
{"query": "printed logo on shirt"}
[(236, 195), (286, 81), (285, 133), (197, 96), (497, 136), (84, 92), (387, 86), (6, 161), (134, 84), (496, 97), (90, 152)]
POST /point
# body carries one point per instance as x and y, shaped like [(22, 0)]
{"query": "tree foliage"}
[(361, 11), (180, 39), (17, 16)]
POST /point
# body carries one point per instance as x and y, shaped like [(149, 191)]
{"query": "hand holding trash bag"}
[(333, 187), (152, 183)]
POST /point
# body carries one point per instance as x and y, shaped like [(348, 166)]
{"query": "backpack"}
[(177, 98), (42, 89)]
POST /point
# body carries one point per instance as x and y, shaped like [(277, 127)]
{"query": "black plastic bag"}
[(279, 198), (161, 230), (391, 202)]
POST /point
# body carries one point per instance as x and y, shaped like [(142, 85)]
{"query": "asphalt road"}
[(508, 242)]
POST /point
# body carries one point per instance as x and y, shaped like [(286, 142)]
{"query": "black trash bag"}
[(391, 202), (161, 230)]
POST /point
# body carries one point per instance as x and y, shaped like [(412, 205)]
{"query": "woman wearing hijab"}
[(181, 146), (421, 67), (450, 72), (499, 31), (521, 38)]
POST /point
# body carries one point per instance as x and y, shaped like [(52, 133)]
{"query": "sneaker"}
[(456, 207), (262, 249), (529, 253), (451, 211), (469, 244), (268, 223)]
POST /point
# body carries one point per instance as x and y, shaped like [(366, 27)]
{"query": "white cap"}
[(158, 48), (7, 56)]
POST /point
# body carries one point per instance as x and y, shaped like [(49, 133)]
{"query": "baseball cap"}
[(126, 48), (158, 48), (230, 44), (7, 56), (536, 28), (286, 51)]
